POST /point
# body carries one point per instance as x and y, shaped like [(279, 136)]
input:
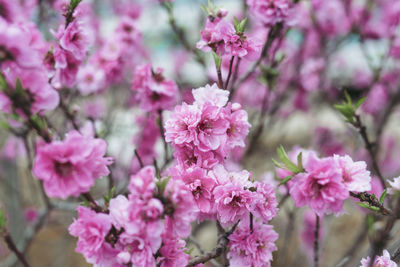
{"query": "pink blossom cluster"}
[(143, 229), (22, 49), (270, 12), (203, 133), (326, 182), (221, 37), (70, 167)]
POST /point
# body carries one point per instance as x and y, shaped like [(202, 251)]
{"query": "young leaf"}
[(3, 220), (300, 161), (110, 195), (286, 179), (242, 25), (382, 198), (217, 59), (236, 24), (366, 206), (161, 184), (286, 161), (277, 164), (359, 102)]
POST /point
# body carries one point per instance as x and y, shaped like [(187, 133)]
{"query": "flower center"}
[(63, 169)]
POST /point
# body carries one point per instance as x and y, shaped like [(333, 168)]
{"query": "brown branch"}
[(11, 245), (272, 35), (316, 245), (370, 148), (217, 251), (383, 236), (180, 34), (229, 73), (372, 201)]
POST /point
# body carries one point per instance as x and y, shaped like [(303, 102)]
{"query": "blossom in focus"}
[(70, 167), (320, 186), (355, 174), (91, 228), (252, 247)]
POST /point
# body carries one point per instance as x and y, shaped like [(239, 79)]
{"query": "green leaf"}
[(277, 164), (300, 161), (286, 161), (359, 102), (19, 88), (346, 110), (39, 121), (110, 195), (366, 206), (236, 23), (189, 251), (348, 98), (370, 223), (85, 203), (3, 220), (286, 179), (3, 83), (217, 59), (74, 3), (4, 125), (382, 198), (242, 24), (161, 184)]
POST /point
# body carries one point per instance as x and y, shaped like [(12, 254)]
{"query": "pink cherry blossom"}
[(70, 167), (321, 186), (265, 205), (154, 91), (15, 46), (201, 186), (90, 79), (270, 12), (180, 208), (73, 39), (211, 95), (39, 95), (212, 37), (232, 200), (380, 261), (142, 184), (252, 247), (355, 174), (238, 44), (91, 228), (172, 251)]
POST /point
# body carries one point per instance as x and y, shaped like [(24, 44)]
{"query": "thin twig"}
[(139, 158), (217, 251), (11, 245), (370, 148), (316, 239), (272, 34), (383, 236), (229, 73)]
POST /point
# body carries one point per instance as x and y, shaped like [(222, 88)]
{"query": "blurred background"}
[(312, 75)]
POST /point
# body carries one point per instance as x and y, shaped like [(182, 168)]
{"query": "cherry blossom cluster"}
[(22, 49), (224, 38), (204, 132)]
